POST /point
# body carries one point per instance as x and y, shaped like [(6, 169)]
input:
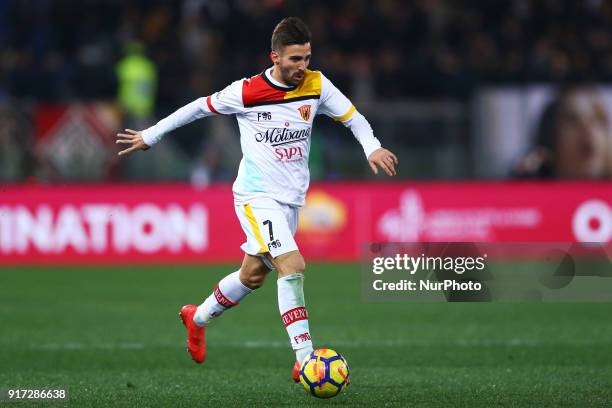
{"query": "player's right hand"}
[(133, 138)]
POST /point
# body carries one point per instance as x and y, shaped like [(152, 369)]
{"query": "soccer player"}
[(275, 112)]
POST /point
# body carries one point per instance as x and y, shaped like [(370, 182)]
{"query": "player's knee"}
[(300, 265), (293, 263)]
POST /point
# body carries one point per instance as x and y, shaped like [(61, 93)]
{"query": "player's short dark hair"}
[(290, 31)]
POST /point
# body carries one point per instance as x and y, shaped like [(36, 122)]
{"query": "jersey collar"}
[(273, 82)]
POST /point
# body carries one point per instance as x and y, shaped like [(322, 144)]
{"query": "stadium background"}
[(96, 254)]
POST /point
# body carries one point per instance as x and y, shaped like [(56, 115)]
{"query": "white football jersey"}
[(275, 124)]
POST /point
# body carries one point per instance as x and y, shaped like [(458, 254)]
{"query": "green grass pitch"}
[(113, 337)]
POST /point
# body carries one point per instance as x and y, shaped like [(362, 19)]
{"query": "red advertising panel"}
[(122, 224), (117, 224)]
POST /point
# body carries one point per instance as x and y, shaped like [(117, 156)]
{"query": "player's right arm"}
[(226, 102)]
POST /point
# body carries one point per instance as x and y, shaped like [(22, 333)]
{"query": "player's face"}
[(292, 62)]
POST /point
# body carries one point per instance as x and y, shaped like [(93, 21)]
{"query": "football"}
[(324, 373)]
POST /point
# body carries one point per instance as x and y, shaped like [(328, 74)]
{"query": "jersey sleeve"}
[(333, 102), (337, 106), (227, 102)]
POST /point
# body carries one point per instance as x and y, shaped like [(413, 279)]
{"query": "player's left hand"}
[(384, 159)]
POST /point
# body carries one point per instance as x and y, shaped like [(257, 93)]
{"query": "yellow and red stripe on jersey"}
[(347, 115), (260, 91)]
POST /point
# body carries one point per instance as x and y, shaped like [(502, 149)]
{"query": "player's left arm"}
[(339, 107), (377, 156)]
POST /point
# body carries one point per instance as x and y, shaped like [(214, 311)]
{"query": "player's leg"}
[(291, 304), (227, 293), (270, 227), (232, 289), (290, 266)]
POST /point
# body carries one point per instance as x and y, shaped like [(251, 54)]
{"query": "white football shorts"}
[(269, 226)]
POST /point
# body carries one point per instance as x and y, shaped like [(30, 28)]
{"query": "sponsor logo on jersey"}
[(289, 153), (281, 136), (305, 112)]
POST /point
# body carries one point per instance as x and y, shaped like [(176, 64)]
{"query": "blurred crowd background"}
[(459, 89)]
